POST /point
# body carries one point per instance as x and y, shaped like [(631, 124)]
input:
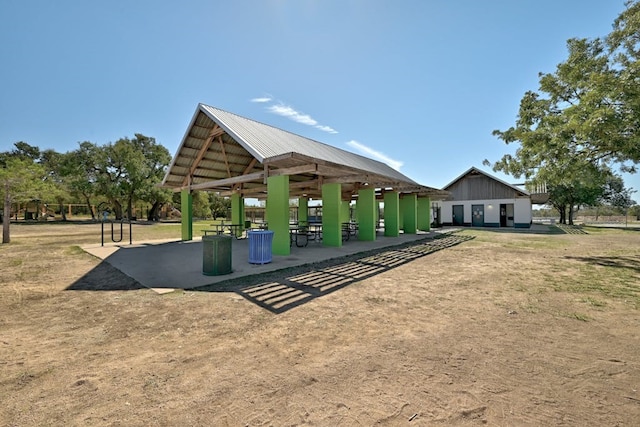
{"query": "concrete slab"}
[(172, 264)]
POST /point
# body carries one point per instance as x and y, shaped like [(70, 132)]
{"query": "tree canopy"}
[(20, 180), (121, 173), (584, 120)]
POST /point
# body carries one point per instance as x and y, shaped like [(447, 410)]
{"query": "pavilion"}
[(240, 158)]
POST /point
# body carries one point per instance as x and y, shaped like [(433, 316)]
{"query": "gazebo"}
[(241, 158)]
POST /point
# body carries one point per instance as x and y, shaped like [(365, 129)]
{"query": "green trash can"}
[(216, 255)]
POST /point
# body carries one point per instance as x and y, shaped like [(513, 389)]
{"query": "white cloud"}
[(327, 129), (290, 113), (370, 152), (261, 100)]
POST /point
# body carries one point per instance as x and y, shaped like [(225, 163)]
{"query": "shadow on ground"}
[(105, 277), (282, 290), (622, 262), (534, 229)]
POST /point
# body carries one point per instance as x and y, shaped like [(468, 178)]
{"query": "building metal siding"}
[(476, 184), (480, 187)]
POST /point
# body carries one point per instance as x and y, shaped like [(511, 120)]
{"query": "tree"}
[(111, 173), (200, 202), (128, 169), (157, 197), (79, 172), (616, 194), (52, 162), (20, 180), (624, 49), (25, 151), (570, 192), (585, 115), (155, 160), (219, 206)]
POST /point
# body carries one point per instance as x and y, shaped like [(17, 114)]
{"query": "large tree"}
[(128, 170), (576, 190), (21, 180), (616, 195), (79, 171), (150, 171), (52, 162), (585, 115)]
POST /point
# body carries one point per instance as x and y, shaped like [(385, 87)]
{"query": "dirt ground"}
[(501, 329)]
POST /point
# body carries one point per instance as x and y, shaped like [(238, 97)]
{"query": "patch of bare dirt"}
[(503, 329)]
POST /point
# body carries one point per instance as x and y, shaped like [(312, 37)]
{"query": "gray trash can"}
[(260, 242), (216, 255)]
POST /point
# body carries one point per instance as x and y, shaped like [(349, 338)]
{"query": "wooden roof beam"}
[(224, 182), (216, 131), (335, 171), (224, 156), (250, 166), (295, 170)]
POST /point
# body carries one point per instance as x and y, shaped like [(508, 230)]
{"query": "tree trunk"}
[(571, 214), (93, 215), (130, 207), (6, 219), (63, 212), (152, 215), (563, 214), (117, 209)]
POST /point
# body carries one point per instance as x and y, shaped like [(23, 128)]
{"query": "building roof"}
[(225, 152), (476, 171)]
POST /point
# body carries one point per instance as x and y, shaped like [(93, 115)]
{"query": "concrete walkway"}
[(171, 264)]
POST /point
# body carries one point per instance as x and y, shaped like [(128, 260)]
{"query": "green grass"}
[(593, 302), (519, 241), (578, 316), (594, 270), (611, 281), (74, 250)]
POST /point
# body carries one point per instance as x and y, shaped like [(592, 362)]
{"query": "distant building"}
[(482, 200)]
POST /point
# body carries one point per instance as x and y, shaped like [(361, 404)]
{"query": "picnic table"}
[(300, 233), (236, 230), (349, 229)]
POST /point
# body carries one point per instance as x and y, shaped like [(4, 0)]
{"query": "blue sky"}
[(419, 84)]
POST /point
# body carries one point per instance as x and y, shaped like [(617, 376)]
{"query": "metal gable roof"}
[(265, 141), (225, 152)]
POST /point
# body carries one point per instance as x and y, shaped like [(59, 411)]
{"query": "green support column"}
[(278, 213), (237, 210), (409, 213), (303, 209), (391, 214), (331, 227), (424, 213), (186, 211), (367, 207)]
